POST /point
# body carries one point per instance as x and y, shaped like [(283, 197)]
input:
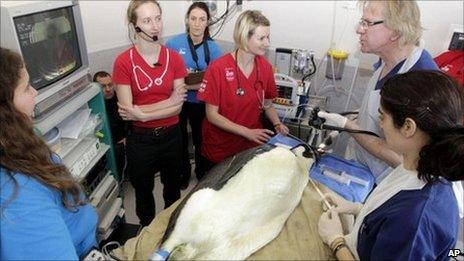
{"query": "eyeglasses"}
[(110, 85), (363, 23)]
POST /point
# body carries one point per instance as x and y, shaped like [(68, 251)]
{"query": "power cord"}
[(108, 253)]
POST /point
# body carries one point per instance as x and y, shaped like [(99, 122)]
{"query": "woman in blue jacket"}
[(198, 50), (413, 213), (43, 212)]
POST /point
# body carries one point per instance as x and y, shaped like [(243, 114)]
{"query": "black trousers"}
[(193, 113), (146, 155), (208, 164), (120, 155)]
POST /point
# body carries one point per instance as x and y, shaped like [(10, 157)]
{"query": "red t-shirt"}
[(129, 71), (452, 63), (219, 88)]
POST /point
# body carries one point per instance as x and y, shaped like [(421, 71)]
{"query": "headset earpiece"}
[(137, 29)]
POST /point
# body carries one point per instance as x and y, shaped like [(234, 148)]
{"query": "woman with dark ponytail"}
[(413, 213), (197, 49), (43, 213)]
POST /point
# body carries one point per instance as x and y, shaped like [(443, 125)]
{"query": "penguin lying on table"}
[(240, 206)]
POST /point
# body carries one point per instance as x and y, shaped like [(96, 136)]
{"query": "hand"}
[(281, 128), (179, 94), (330, 226), (342, 205), (122, 141), (133, 113), (333, 119), (259, 136)]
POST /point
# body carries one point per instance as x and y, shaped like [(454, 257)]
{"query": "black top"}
[(117, 125)]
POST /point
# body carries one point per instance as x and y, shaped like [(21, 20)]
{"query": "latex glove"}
[(342, 205), (330, 226), (333, 119)]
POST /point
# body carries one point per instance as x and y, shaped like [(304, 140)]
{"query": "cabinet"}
[(82, 154), (73, 150)]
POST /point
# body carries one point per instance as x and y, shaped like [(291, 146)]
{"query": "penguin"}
[(240, 205)]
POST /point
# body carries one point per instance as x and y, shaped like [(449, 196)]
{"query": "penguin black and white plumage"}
[(239, 206)]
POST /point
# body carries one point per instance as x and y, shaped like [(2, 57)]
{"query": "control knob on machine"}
[(282, 101)]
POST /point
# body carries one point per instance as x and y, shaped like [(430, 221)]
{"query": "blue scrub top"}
[(35, 225), (412, 225), (425, 62), (179, 43)]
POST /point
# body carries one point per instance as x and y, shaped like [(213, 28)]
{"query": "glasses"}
[(363, 23), (107, 85)]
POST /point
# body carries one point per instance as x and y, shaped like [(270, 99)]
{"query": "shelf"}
[(67, 145), (103, 149), (84, 156), (52, 119)]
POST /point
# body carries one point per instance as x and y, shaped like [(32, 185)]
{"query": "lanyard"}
[(193, 52)]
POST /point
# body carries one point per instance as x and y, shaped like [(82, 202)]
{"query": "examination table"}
[(298, 240)]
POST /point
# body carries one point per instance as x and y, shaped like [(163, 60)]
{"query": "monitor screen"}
[(284, 91), (49, 45)]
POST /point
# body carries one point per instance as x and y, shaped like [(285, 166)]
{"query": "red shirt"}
[(128, 72), (452, 63), (219, 88)]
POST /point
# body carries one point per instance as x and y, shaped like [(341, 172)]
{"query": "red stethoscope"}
[(257, 85)]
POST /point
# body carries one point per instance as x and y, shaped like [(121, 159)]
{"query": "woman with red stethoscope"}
[(150, 90), (236, 89)]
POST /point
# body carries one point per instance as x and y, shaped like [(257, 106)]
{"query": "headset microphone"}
[(139, 30)]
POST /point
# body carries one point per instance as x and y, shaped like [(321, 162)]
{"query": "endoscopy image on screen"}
[(49, 45)]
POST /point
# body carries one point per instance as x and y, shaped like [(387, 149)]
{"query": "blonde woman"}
[(236, 89), (149, 82)]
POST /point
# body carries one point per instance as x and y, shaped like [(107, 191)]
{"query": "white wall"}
[(295, 24)]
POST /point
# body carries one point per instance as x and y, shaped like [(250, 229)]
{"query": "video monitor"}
[(49, 45)]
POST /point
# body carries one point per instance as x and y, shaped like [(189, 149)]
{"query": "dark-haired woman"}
[(198, 50), (412, 213), (43, 211)]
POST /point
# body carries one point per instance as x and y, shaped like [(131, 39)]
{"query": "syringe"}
[(338, 177)]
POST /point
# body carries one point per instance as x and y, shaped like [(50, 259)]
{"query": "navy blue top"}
[(179, 43), (412, 225), (35, 225), (425, 62)]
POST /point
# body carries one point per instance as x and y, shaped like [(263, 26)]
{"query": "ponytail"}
[(443, 156)]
